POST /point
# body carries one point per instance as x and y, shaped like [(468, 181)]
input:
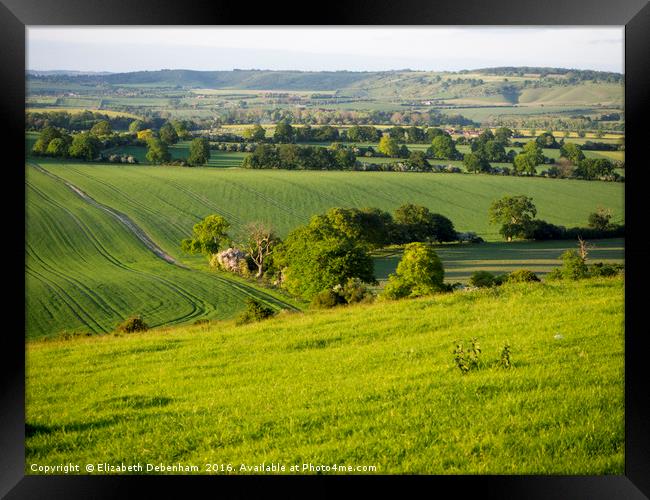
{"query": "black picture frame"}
[(633, 14)]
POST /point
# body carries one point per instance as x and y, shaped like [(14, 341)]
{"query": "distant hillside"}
[(507, 82)]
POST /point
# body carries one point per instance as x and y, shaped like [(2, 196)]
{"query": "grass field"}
[(86, 272), (372, 385), (180, 151), (167, 201), (460, 261)]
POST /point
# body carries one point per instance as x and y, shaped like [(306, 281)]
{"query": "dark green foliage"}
[(133, 324), (601, 269), (572, 152), (443, 148), (546, 140), (320, 255), (292, 157), (470, 359), (522, 276), (475, 163), (504, 360), (84, 146), (199, 151), (601, 219), (157, 152), (326, 300), (574, 266), (482, 279), (417, 223), (594, 168), (101, 129), (255, 311), (284, 132), (514, 213), (168, 134)]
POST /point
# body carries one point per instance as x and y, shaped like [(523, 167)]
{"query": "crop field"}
[(86, 272), (180, 151), (373, 385), (167, 201), (460, 261)]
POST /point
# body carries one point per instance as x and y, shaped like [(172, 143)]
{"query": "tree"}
[(101, 129), (601, 219), (199, 151), (208, 236), (503, 135), (84, 146), (157, 151), (388, 145), (443, 147), (572, 152), (313, 260), (180, 126), (546, 140), (283, 132), (524, 164), (136, 126), (418, 273), (45, 137), (145, 134), (514, 213), (256, 133), (418, 160), (594, 168), (167, 134), (475, 163), (418, 223), (58, 147), (259, 244)]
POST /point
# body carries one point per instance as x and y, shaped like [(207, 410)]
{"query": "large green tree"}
[(84, 146), (314, 258), (167, 134), (208, 236), (199, 151), (418, 223), (157, 151), (443, 147), (514, 213), (256, 133), (419, 272), (101, 129), (283, 132), (388, 145)]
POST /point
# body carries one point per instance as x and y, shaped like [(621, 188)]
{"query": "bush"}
[(326, 300), (255, 311), (482, 279), (522, 276), (419, 273), (133, 324), (355, 291), (600, 269)]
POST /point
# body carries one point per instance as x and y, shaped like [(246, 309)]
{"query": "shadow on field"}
[(32, 430), (134, 402)]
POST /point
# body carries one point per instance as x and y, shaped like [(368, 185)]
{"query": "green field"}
[(167, 201), (460, 261), (180, 151), (372, 385), (86, 272)]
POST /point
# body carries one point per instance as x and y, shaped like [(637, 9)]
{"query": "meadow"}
[(370, 385), (86, 272)]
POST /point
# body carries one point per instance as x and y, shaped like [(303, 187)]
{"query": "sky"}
[(122, 49)]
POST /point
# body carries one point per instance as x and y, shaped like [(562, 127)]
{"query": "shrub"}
[(255, 311), (355, 291), (482, 279), (466, 361), (573, 265), (419, 273), (522, 276), (504, 361), (326, 299), (133, 324), (600, 269)]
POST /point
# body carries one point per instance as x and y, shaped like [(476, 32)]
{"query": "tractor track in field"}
[(123, 218), (159, 252)]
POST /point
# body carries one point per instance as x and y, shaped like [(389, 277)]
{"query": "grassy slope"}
[(167, 201), (366, 385), (85, 271)]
